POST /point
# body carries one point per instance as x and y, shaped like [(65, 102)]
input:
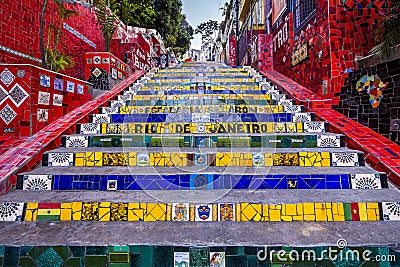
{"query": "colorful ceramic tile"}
[(143, 160), (180, 212), (7, 114), (76, 141), (96, 72), (258, 159), (70, 87), (17, 95), (114, 73), (181, 259), (37, 182), (120, 75), (200, 160), (345, 159), (391, 211), (119, 212), (3, 95), (101, 118), (217, 259), (44, 80), (42, 115), (328, 141), (226, 212), (58, 84), (366, 181), (21, 74), (11, 212), (105, 60), (7, 77), (44, 98), (80, 89), (204, 213), (200, 117), (61, 159), (314, 127), (301, 117), (90, 211), (97, 60), (48, 212), (112, 185), (57, 100), (90, 128), (201, 181)]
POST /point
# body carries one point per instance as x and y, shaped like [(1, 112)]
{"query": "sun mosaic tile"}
[(185, 212), (37, 182)]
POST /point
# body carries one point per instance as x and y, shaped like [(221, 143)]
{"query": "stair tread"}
[(297, 234)]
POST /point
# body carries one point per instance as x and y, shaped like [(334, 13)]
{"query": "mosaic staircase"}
[(197, 144)]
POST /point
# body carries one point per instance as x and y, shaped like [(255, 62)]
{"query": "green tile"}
[(1, 250), (118, 257), (11, 255), (347, 212), (35, 252), (96, 250), (147, 256), (95, 261), (135, 249), (1, 261), (25, 250), (26, 262), (78, 252), (63, 251), (49, 258), (119, 265), (72, 262)]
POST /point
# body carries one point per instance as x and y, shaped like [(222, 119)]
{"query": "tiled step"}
[(278, 140), (229, 109), (203, 128), (185, 156), (200, 178), (202, 117)]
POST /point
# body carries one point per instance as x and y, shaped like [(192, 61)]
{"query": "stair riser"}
[(286, 141), (201, 182)]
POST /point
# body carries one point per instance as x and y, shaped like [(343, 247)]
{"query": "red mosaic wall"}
[(19, 27), (232, 50), (32, 97), (334, 40), (265, 61)]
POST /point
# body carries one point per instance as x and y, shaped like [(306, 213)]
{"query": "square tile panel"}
[(90, 128), (258, 159), (200, 160), (200, 117), (301, 117), (328, 141), (44, 98), (226, 212), (96, 72), (143, 160), (314, 127), (112, 185), (203, 213), (391, 211), (7, 77), (61, 159), (181, 259), (80, 89), (180, 212), (77, 141), (11, 212), (217, 259), (97, 60), (101, 118), (58, 84), (57, 100), (7, 114), (345, 159), (37, 182), (42, 115), (45, 81), (70, 87), (366, 181), (18, 95), (114, 73)]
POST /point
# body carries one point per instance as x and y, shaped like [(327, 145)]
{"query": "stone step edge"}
[(186, 212)]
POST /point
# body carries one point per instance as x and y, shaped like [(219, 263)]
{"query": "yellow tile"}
[(335, 209), (299, 209), (298, 218), (66, 205), (371, 214), (309, 217), (132, 206), (338, 218), (362, 208), (341, 209), (275, 215), (32, 205), (76, 211), (30, 215), (291, 209), (372, 205), (156, 212), (326, 159), (329, 215), (308, 208), (328, 205), (320, 215), (287, 218), (269, 159), (66, 214), (132, 158), (104, 211), (80, 159), (265, 209), (320, 205)]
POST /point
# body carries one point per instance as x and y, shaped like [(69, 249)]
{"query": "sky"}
[(198, 11)]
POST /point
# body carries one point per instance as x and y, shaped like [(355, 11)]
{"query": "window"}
[(302, 10)]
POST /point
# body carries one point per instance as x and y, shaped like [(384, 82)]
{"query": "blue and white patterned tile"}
[(11, 212), (314, 127), (60, 159), (203, 213), (258, 159), (7, 114), (76, 141), (37, 182), (345, 159), (90, 128), (45, 81), (366, 181), (292, 109), (58, 84), (80, 89), (18, 95), (70, 87), (328, 141), (391, 211), (101, 118), (7, 77), (200, 160), (301, 117)]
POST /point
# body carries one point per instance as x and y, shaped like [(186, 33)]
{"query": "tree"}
[(168, 20), (207, 31), (185, 34), (138, 13), (388, 31), (106, 19)]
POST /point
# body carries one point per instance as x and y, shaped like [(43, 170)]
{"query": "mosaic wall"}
[(157, 256), (104, 70), (31, 98), (185, 212), (20, 35), (376, 105), (332, 39)]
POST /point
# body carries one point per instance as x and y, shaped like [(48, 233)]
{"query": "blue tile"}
[(333, 185), (275, 183), (332, 178), (132, 186)]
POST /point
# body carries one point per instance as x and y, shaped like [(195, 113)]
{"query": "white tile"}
[(345, 159), (180, 212), (61, 159), (203, 213), (37, 182), (11, 212), (391, 211), (314, 127), (328, 141), (366, 181), (77, 141)]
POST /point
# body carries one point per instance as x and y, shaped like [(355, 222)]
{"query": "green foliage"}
[(57, 61), (106, 19), (388, 32), (138, 13)]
